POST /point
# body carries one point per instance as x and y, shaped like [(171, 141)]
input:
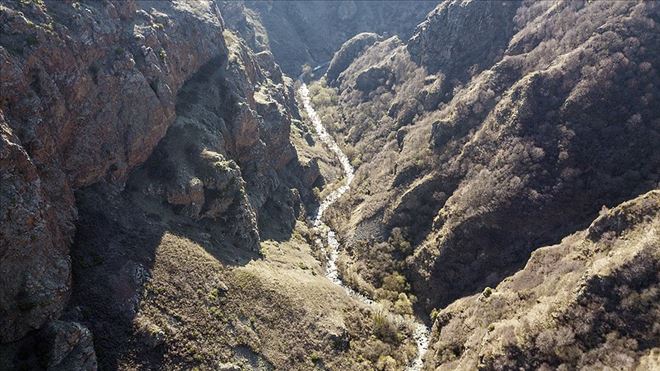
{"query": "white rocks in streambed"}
[(420, 331)]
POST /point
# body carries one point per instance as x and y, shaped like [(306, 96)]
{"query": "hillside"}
[(478, 165), (608, 319), (309, 32), (322, 185)]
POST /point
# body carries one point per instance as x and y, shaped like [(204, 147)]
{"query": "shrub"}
[(395, 282), (386, 363), (32, 40), (383, 326), (403, 305), (399, 242), (434, 314)]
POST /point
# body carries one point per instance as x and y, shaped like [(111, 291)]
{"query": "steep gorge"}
[(171, 199)]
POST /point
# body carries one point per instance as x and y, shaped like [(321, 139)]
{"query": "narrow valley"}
[(420, 330), (268, 185)]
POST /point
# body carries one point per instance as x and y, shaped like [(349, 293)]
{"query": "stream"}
[(420, 331)]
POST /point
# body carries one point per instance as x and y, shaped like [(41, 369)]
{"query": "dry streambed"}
[(420, 331)]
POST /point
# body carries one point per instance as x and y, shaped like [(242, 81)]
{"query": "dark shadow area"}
[(120, 230), (112, 256)]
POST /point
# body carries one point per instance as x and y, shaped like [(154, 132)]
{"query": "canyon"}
[(355, 185)]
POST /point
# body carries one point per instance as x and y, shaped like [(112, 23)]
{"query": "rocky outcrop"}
[(589, 302), (374, 77), (88, 90), (350, 50), (112, 101), (225, 176), (59, 345), (228, 152), (463, 36)]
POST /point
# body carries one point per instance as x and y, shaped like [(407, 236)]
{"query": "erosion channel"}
[(331, 244)]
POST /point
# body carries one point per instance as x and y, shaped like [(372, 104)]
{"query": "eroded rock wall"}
[(128, 104), (88, 90)]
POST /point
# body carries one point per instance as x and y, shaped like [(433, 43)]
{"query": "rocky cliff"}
[(475, 165), (111, 101), (156, 174), (88, 90)]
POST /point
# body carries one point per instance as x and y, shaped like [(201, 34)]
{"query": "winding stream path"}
[(420, 331)]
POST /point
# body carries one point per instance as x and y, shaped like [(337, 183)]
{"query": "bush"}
[(403, 305), (383, 326), (395, 282), (399, 242), (32, 40), (386, 363)]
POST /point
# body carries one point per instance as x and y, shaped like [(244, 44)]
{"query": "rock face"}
[(113, 101), (300, 32), (350, 50), (463, 35), (59, 345), (608, 319), (479, 166), (374, 77), (87, 92)]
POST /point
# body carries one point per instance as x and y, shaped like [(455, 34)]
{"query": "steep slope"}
[(88, 89), (477, 165), (219, 182), (590, 302), (88, 92), (152, 217), (309, 32)]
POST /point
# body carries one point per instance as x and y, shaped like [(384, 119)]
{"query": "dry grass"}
[(278, 312)]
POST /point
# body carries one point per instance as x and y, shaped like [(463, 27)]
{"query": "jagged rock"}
[(311, 172), (350, 50), (58, 346), (436, 90), (267, 63), (71, 346), (459, 34), (86, 92), (34, 270), (373, 78)]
